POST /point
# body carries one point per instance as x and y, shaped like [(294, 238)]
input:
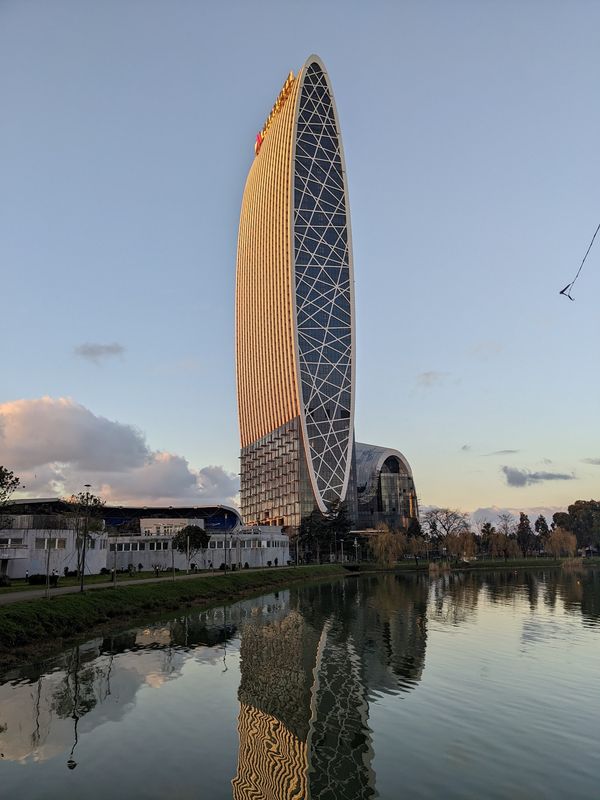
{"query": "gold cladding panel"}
[(265, 334)]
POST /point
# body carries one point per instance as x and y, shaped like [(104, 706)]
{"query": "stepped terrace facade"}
[(295, 311)]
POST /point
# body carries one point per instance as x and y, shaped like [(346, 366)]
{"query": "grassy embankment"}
[(61, 617), (21, 585), (37, 625)]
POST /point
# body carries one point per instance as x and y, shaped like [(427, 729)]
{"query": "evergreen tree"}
[(542, 530), (338, 521), (313, 535), (487, 532), (524, 534)]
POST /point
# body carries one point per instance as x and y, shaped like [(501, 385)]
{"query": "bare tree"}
[(448, 527), (446, 521), (507, 524), (86, 514)]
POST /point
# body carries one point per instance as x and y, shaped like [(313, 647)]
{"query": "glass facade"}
[(323, 287), (386, 490), (294, 312), (275, 488)]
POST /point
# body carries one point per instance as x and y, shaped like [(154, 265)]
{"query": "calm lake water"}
[(462, 686)]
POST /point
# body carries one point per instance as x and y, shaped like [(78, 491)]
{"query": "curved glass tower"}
[(295, 311)]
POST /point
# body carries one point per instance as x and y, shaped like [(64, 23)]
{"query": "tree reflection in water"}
[(313, 662)]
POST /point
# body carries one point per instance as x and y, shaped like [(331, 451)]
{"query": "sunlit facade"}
[(295, 311)]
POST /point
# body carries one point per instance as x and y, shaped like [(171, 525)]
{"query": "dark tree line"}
[(321, 533), (583, 520)]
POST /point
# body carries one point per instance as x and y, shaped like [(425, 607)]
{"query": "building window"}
[(40, 544), (112, 548), (61, 544)]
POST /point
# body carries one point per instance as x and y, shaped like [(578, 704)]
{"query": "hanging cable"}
[(567, 290)]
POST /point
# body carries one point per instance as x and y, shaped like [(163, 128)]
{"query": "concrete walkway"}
[(33, 594)]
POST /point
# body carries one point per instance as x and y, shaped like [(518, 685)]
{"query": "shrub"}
[(4, 580), (37, 579), (246, 565), (104, 571)]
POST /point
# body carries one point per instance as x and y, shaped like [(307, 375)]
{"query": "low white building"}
[(26, 547), (257, 547)]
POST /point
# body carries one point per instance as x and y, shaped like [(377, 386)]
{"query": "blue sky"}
[(470, 132)]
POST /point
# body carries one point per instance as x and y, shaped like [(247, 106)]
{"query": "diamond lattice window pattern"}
[(322, 273)]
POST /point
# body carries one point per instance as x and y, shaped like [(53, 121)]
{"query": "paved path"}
[(33, 594)]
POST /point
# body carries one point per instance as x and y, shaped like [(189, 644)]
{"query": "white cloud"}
[(44, 430), (57, 445)]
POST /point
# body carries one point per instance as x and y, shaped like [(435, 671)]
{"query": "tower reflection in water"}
[(307, 680), (312, 659)]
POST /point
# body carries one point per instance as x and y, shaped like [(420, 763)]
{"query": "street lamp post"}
[(356, 549), (115, 565), (48, 542), (88, 486), (342, 544)]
